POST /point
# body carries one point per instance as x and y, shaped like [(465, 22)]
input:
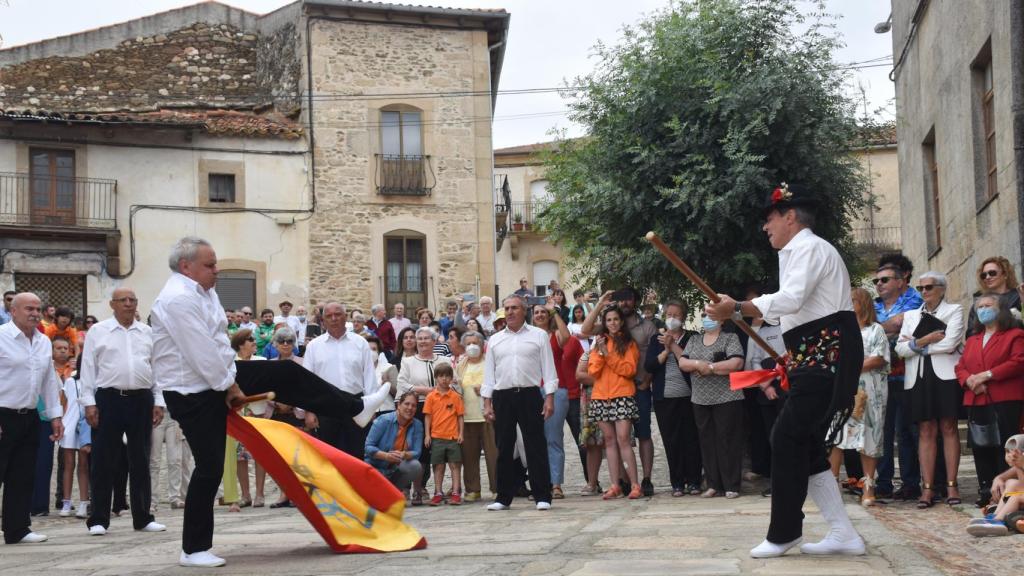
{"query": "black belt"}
[(518, 389), (18, 411), (120, 392)]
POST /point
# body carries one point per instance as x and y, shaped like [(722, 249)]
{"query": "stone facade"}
[(939, 117)]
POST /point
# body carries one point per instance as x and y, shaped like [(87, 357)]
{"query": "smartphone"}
[(468, 297)]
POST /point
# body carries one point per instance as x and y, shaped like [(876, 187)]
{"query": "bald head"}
[(25, 312), (125, 304)]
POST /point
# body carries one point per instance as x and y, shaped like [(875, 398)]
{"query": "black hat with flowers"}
[(786, 196)]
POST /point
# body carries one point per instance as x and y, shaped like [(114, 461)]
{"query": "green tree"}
[(692, 119)]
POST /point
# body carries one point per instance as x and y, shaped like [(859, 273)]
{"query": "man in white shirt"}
[(518, 361), (487, 315), (292, 321), (194, 369), (247, 323), (26, 374), (399, 322), (120, 400), (816, 312), (345, 360), (300, 317)]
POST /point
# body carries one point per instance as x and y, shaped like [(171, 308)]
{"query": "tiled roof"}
[(878, 134), (527, 148), (215, 122), (410, 7)]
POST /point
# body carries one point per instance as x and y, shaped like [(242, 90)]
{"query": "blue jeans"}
[(44, 470), (898, 426), (554, 432)]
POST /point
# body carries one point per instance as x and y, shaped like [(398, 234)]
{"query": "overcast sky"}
[(550, 41)]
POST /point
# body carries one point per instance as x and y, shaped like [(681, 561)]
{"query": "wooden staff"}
[(676, 261), (256, 398)]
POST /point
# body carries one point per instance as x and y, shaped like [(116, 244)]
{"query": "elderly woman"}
[(283, 342), (417, 374), (236, 457), (996, 276), (991, 370), (479, 433), (717, 410), (930, 342)]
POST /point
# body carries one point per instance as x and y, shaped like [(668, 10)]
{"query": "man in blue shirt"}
[(5, 310), (394, 443), (896, 296)]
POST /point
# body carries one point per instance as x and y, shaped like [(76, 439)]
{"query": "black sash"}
[(294, 385)]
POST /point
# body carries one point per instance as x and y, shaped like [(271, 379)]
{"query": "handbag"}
[(983, 426)]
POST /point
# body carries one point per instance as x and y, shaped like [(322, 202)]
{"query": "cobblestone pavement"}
[(579, 536)]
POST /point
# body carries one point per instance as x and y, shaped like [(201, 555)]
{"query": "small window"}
[(401, 133), (222, 188), (985, 127), (932, 206)]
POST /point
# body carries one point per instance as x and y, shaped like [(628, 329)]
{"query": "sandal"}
[(635, 492), (235, 507), (953, 500), (924, 503), (556, 493), (869, 488), (612, 493)]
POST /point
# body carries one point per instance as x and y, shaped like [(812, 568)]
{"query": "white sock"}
[(823, 489), (370, 404), (768, 549)]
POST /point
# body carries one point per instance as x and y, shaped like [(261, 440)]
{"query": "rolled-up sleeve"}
[(547, 366)]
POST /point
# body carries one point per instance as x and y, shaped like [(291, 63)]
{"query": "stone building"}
[(328, 149), (959, 96)]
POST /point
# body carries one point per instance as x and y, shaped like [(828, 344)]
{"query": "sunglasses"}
[(289, 342), (989, 274), (926, 287), (250, 339), (882, 280)]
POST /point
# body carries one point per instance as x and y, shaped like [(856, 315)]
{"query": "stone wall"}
[(279, 68)]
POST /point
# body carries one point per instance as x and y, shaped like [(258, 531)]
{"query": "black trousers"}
[(120, 478), (573, 418), (344, 434), (128, 415), (521, 407), (203, 420), (798, 451), (679, 435), (720, 427), (989, 462), (757, 443), (19, 447)]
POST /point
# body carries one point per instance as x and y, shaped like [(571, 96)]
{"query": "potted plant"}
[(517, 222)]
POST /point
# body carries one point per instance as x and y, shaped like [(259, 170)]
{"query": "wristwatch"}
[(737, 311)]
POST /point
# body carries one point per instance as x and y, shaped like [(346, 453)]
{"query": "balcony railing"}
[(889, 237), (403, 175), (47, 200), (525, 215)]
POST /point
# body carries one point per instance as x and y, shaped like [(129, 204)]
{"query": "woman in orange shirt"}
[(613, 362)]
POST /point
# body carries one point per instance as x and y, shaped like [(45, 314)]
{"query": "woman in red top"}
[(991, 371)]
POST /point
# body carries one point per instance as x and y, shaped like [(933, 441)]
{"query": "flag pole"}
[(703, 286), (255, 398)]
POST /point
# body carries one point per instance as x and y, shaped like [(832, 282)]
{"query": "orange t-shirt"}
[(69, 333), (444, 410), (613, 373), (400, 437)]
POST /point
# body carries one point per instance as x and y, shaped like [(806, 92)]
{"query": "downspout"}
[(1017, 107)]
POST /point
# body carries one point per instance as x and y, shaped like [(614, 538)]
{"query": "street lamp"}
[(883, 27)]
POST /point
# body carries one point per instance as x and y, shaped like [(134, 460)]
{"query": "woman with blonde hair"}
[(996, 276)]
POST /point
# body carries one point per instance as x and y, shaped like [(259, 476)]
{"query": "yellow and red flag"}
[(351, 505)]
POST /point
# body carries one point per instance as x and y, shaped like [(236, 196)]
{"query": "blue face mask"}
[(987, 315), (708, 323)]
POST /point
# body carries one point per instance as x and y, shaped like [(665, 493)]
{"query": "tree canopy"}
[(692, 119)]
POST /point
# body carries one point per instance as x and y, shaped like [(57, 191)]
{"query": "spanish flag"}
[(351, 505)]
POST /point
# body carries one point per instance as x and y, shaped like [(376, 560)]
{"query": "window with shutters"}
[(402, 165), (222, 188), (236, 288), (221, 183), (986, 179), (405, 269), (932, 206)]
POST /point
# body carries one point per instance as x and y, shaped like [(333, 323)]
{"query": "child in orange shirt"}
[(443, 411)]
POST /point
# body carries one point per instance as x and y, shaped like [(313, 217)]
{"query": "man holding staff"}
[(824, 357)]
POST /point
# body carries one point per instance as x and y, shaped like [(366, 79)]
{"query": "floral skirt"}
[(622, 408)]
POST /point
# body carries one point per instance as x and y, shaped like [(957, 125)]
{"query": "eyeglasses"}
[(288, 342), (989, 274), (882, 280), (126, 300), (250, 339), (926, 287)]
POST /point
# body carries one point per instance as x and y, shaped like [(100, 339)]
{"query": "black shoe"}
[(983, 500), (288, 504), (767, 492), (907, 493), (883, 494), (647, 487), (624, 485)]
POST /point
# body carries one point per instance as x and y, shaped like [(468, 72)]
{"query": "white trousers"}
[(179, 458)]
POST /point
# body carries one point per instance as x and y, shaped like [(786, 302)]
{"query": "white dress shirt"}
[(191, 350), (519, 359), (813, 283), (26, 371), (117, 357), (345, 362)]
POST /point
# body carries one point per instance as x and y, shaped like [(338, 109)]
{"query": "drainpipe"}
[(1017, 107)]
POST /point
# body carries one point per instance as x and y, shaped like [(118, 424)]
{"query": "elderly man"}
[(345, 360), (382, 328), (247, 321), (487, 315), (394, 443), (519, 362), (194, 367), (121, 401), (300, 321), (26, 375), (399, 322)]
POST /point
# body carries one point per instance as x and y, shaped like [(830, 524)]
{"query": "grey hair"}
[(471, 334), (185, 249), (522, 302), (487, 299), (376, 308), (989, 296), (428, 330), (358, 317), (939, 277), (804, 216), (284, 333)]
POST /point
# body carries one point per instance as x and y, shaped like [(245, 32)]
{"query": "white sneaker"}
[(202, 559), (97, 530), (370, 404), (543, 505), (768, 549), (83, 510), (833, 543), (153, 527), (65, 511), (33, 538), (497, 506)]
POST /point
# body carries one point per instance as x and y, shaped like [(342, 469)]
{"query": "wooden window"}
[(989, 126), (405, 269), (401, 133), (933, 212), (986, 185), (52, 173), (401, 164)]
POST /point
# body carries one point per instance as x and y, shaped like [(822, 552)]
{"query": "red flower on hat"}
[(781, 193)]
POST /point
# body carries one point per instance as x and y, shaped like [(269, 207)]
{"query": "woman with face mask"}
[(991, 371), (478, 433), (717, 410)]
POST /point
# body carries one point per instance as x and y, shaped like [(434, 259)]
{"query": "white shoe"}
[(768, 549), (97, 530), (202, 559), (370, 405), (842, 537), (835, 544), (153, 527), (33, 538), (65, 511), (83, 509), (496, 506), (543, 505)]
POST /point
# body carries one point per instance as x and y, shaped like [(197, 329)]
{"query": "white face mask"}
[(673, 324), (473, 350), (302, 318)]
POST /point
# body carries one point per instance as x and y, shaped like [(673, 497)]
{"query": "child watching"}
[(1008, 489), (443, 411), (76, 444)]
